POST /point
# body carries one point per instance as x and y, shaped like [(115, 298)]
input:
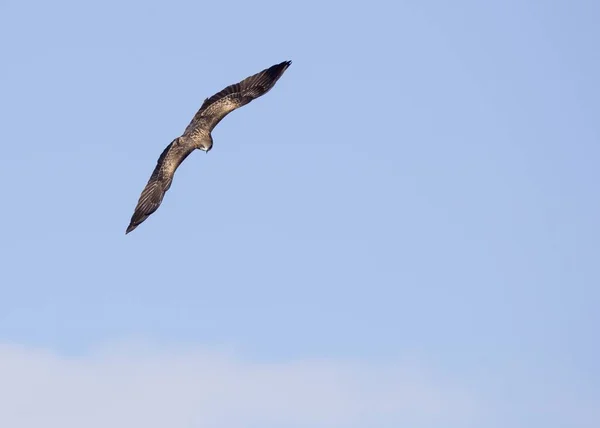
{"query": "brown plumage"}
[(197, 135)]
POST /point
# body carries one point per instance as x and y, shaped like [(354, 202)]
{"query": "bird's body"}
[(197, 135)]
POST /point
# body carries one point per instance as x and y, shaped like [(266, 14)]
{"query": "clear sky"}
[(402, 233)]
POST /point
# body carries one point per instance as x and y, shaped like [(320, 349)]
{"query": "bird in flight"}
[(197, 135)]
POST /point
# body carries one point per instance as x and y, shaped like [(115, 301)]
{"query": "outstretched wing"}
[(235, 96), (159, 182)]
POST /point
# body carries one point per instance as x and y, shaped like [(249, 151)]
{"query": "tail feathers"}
[(149, 201)]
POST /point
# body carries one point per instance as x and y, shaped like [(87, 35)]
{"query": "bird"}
[(198, 136)]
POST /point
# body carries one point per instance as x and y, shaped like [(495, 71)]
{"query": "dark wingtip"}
[(130, 228), (279, 69), (282, 65)]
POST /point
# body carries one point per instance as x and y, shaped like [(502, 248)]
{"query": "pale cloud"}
[(123, 387)]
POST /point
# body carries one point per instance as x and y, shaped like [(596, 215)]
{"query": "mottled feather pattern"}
[(159, 182), (266, 78), (215, 108), (198, 136)]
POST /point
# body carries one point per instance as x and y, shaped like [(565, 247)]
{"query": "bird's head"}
[(207, 144)]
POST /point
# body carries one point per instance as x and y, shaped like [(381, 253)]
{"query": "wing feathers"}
[(159, 182), (215, 108), (149, 201), (263, 80)]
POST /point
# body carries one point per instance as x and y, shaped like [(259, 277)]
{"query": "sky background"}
[(403, 232)]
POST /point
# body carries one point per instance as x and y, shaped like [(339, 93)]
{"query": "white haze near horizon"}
[(126, 386)]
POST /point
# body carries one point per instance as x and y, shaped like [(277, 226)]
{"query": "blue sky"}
[(418, 194)]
